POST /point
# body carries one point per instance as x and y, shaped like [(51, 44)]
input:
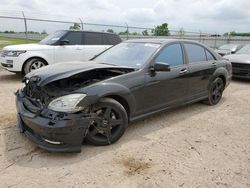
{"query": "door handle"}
[(183, 71), (214, 64)]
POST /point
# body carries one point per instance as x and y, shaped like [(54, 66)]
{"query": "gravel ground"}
[(192, 146)]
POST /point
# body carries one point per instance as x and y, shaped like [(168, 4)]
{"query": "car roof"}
[(161, 41), (231, 44), (86, 31)]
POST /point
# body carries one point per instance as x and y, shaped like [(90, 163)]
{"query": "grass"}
[(13, 41)]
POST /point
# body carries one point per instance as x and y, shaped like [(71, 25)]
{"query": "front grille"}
[(241, 69), (241, 65), (9, 61)]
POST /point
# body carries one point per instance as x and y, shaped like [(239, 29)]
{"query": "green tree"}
[(110, 31), (44, 32), (135, 33), (145, 32), (161, 30), (75, 26), (232, 33), (123, 32)]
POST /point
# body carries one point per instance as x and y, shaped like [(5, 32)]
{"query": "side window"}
[(195, 53), (210, 57), (113, 39), (92, 39), (74, 38), (105, 39), (172, 55)]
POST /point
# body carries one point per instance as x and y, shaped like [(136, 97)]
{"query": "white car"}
[(228, 49), (240, 62), (61, 46)]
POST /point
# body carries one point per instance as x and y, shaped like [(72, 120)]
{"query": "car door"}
[(93, 44), (164, 89), (71, 51), (201, 65)]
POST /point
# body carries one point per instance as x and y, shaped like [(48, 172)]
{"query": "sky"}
[(213, 16)]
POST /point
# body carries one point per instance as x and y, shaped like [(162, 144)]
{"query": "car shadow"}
[(20, 151), (6, 76)]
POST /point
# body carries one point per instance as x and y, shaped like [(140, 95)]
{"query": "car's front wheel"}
[(109, 124), (215, 91), (33, 64)]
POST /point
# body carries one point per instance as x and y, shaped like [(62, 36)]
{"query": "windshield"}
[(228, 47), (52, 38), (128, 54), (244, 50)]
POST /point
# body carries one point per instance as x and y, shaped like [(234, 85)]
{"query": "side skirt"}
[(165, 109)]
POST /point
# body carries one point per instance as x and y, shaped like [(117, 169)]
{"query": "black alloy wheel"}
[(215, 91), (109, 124)]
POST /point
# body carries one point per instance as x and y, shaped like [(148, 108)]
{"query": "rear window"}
[(113, 39)]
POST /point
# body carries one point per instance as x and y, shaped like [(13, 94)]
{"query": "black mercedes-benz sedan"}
[(63, 105)]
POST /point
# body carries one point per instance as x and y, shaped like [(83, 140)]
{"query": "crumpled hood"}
[(28, 47), (59, 71), (238, 58)]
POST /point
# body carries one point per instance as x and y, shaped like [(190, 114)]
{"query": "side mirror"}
[(64, 42), (161, 66)]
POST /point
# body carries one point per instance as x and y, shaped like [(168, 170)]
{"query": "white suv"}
[(61, 46)]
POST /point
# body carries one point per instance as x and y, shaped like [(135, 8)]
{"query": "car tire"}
[(215, 92), (33, 64), (110, 115)]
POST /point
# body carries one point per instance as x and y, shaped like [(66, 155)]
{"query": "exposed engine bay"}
[(84, 79), (42, 95)]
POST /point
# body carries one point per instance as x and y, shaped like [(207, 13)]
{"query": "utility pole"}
[(25, 24), (127, 29), (81, 23)]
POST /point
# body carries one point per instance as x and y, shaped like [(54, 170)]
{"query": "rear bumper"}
[(61, 135)]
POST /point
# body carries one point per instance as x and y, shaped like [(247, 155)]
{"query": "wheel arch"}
[(223, 79), (33, 57), (122, 101), (219, 73), (116, 91)]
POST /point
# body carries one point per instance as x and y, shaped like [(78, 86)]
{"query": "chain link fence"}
[(33, 27)]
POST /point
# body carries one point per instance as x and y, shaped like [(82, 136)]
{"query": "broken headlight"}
[(67, 103)]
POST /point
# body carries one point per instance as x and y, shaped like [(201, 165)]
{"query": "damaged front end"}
[(51, 120)]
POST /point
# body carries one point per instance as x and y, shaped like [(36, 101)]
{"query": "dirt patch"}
[(7, 119), (135, 166), (192, 146)]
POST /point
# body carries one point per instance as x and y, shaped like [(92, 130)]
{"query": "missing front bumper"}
[(64, 135)]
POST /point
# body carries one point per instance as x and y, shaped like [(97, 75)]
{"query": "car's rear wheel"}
[(33, 64), (215, 91), (109, 124)]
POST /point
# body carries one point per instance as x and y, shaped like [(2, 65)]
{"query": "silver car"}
[(241, 62), (227, 49)]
